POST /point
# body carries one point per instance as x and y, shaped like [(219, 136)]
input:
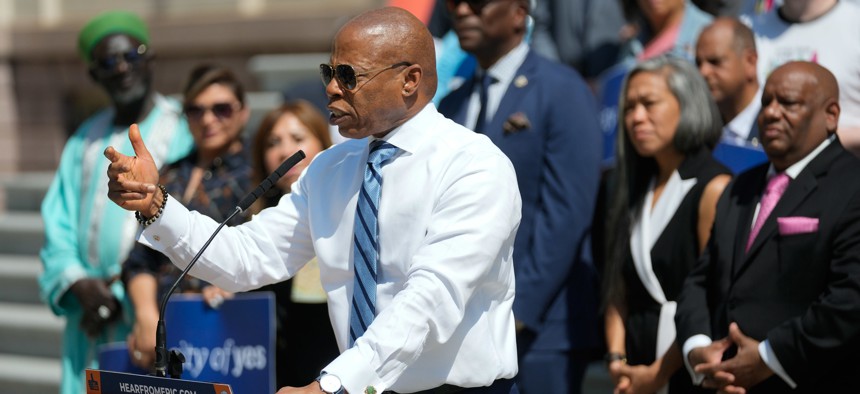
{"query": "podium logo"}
[(228, 359), (92, 383)]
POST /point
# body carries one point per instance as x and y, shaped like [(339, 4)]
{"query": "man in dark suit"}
[(543, 117), (780, 279)]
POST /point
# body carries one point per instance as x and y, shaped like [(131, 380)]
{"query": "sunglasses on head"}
[(133, 57), (346, 75), (475, 5), (220, 110)]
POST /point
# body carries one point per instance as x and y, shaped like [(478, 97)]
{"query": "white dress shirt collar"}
[(506, 68), (737, 131), (408, 137), (503, 71), (794, 170)]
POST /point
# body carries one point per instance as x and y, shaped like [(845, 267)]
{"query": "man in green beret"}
[(86, 237)]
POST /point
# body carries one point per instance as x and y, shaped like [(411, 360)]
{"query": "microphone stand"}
[(170, 364)]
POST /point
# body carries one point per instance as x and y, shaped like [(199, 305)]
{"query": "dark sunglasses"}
[(221, 111), (346, 75), (132, 57), (475, 5)]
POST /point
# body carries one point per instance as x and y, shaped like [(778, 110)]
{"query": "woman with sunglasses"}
[(305, 340), (211, 180), (666, 185)]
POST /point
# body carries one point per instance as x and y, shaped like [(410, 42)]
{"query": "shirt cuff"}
[(354, 370), (168, 229), (698, 340), (769, 358)]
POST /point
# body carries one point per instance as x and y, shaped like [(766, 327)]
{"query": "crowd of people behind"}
[(714, 246)]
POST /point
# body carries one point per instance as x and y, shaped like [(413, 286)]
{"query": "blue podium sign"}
[(234, 344), (106, 382)]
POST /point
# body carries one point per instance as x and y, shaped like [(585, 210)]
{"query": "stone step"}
[(30, 330), (18, 278), (29, 375), (21, 233), (24, 192)]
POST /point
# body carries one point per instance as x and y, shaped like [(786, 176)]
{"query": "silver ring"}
[(138, 355), (104, 312)]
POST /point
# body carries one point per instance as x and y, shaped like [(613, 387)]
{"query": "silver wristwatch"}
[(330, 384)]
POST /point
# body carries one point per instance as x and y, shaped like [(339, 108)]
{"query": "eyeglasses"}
[(132, 57), (221, 111), (475, 5), (346, 75)]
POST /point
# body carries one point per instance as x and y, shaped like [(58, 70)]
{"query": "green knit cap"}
[(111, 22)]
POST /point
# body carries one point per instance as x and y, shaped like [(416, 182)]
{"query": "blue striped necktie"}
[(366, 253)]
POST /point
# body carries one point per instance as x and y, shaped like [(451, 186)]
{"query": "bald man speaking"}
[(778, 287), (412, 220)]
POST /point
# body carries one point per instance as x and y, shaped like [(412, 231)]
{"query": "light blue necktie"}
[(366, 253)]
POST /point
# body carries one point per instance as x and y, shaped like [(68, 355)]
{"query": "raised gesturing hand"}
[(132, 180)]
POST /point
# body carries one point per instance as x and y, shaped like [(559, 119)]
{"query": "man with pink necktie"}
[(774, 303)]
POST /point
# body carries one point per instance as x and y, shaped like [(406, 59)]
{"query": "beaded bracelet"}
[(146, 222)]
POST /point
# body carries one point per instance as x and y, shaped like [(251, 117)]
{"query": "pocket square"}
[(797, 225), (516, 123)]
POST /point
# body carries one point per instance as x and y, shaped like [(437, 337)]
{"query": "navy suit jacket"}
[(798, 289), (553, 140)]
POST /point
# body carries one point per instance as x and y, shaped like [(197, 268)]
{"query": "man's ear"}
[(522, 14), (412, 79), (832, 110), (750, 63)]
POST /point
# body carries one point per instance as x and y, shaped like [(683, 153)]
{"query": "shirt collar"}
[(741, 125), (408, 136), (794, 170), (506, 68)]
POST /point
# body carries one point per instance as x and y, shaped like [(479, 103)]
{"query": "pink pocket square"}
[(797, 225)]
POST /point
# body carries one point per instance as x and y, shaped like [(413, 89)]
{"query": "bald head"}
[(821, 83), (741, 36), (382, 72), (394, 35), (726, 58), (799, 109)]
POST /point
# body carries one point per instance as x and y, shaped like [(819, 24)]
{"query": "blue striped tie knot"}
[(366, 240)]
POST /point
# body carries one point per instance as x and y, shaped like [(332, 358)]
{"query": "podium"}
[(106, 382)]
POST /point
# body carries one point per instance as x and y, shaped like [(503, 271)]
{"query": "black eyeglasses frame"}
[(346, 76)]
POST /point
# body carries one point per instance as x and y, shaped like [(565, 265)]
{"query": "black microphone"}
[(172, 364)]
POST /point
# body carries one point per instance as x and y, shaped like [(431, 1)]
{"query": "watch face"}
[(330, 383)]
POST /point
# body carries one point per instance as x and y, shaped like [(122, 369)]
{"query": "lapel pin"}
[(521, 81)]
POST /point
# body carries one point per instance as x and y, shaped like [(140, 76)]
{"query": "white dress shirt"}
[(448, 215), (764, 348)]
